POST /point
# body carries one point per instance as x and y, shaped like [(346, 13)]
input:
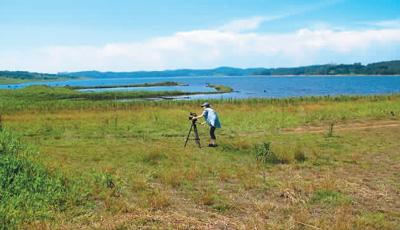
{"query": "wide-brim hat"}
[(205, 104)]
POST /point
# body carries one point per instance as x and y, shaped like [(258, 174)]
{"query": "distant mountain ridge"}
[(25, 75), (380, 68), (221, 71)]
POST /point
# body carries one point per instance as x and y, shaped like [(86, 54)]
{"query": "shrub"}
[(29, 192), (300, 156), (265, 154)]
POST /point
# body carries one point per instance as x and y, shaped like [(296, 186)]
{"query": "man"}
[(212, 120)]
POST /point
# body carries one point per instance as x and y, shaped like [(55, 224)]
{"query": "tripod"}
[(196, 134)]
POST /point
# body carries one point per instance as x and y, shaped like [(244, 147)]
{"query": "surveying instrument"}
[(193, 118)]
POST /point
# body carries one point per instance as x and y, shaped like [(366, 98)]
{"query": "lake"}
[(249, 86)]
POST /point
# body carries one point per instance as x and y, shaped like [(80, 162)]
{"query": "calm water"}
[(252, 86)]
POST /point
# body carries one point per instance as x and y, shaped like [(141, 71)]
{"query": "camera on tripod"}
[(193, 116)]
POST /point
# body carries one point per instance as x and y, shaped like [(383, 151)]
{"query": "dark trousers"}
[(212, 133)]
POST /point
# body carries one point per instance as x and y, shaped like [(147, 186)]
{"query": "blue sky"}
[(122, 35)]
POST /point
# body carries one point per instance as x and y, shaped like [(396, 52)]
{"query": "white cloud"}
[(243, 24), (395, 23), (210, 48), (249, 24), (253, 23)]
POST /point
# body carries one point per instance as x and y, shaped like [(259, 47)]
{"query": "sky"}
[(129, 35)]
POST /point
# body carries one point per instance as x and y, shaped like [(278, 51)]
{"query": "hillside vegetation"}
[(32, 76), (381, 68)]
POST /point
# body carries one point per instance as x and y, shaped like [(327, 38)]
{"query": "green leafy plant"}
[(29, 192), (265, 154)]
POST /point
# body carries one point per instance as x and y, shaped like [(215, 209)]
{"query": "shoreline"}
[(16, 81), (337, 75), (68, 93), (165, 83)]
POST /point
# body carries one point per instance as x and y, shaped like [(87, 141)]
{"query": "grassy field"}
[(6, 80), (304, 163), (54, 98)]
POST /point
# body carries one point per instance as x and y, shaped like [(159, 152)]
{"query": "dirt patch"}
[(344, 127)]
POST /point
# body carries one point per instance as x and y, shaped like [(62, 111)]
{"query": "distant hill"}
[(24, 75), (221, 71), (380, 68)]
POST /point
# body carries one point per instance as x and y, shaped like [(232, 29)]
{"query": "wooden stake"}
[(330, 132)]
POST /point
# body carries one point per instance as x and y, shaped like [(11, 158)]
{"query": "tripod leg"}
[(196, 136), (187, 138)]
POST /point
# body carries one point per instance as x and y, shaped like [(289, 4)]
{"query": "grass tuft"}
[(265, 154), (158, 199), (329, 197), (300, 155), (153, 157)]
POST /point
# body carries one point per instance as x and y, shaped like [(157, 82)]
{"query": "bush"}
[(300, 156), (28, 192), (265, 154)]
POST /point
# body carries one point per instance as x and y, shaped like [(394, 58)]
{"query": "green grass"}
[(221, 88), (43, 97), (130, 160), (329, 197), (6, 80), (377, 220), (29, 191)]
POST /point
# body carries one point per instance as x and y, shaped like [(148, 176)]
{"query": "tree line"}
[(380, 68)]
